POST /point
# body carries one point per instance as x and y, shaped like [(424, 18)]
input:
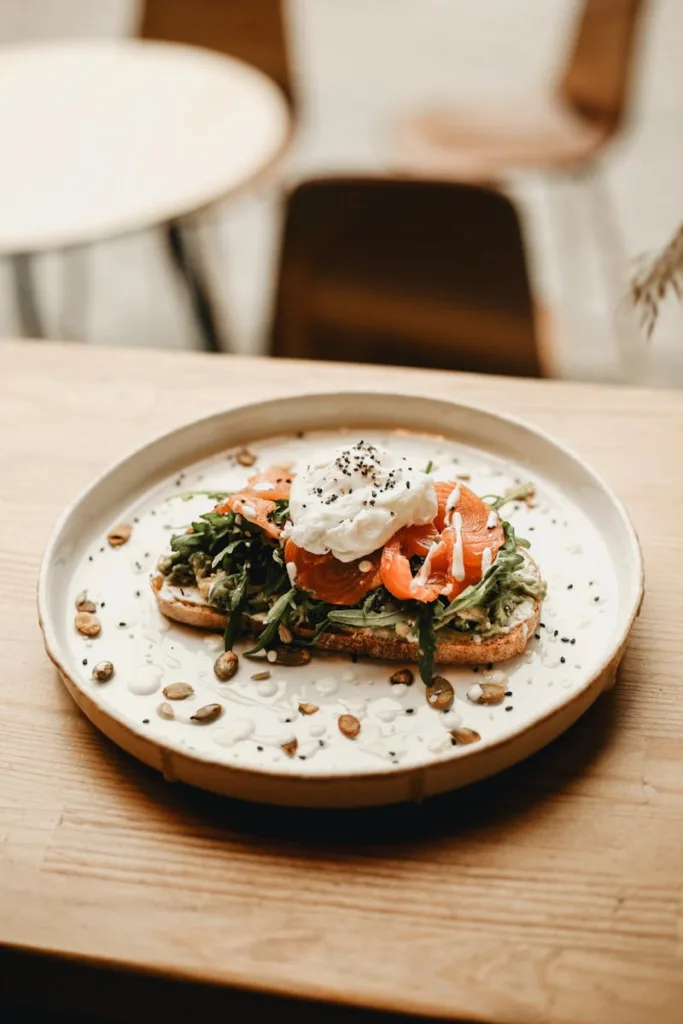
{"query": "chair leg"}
[(26, 297), (197, 288)]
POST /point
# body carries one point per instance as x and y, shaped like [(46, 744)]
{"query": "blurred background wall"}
[(359, 66)]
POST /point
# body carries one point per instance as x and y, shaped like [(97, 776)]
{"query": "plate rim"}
[(604, 671)]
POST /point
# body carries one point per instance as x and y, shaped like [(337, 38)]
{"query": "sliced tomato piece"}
[(254, 509), (397, 574), (275, 483), (328, 579)]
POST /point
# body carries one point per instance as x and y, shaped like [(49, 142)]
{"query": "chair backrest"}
[(252, 30), (598, 70), (407, 272)]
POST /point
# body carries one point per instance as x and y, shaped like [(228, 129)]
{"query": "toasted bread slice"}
[(187, 605)]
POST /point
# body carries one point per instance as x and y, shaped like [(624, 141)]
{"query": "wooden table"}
[(553, 893)]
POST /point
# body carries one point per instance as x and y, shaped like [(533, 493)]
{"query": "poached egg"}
[(352, 502)]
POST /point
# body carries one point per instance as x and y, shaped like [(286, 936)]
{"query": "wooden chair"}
[(405, 272), (482, 142), (253, 31)]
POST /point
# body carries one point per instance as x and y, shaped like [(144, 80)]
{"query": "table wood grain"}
[(553, 892)]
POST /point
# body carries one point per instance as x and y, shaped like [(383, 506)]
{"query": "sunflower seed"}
[(464, 736), (118, 535), (103, 672), (226, 665), (84, 604), (165, 711), (463, 476), (349, 726), (440, 694), (290, 656), (285, 633), (404, 675), (486, 693), (290, 748), (207, 713), (87, 624), (178, 691), (245, 457), (258, 676), (308, 709)]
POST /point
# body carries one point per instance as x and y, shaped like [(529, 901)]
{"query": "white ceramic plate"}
[(580, 535)]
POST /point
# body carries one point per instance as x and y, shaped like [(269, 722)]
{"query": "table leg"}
[(189, 266), (26, 297)]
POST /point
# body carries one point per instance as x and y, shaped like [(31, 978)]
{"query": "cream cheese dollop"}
[(353, 501)]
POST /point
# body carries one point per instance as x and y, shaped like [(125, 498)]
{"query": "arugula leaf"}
[(233, 629), (273, 619), (239, 591), (359, 617), (188, 495), (426, 644), (520, 493)]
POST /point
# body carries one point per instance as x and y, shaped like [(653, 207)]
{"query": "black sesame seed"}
[(137, 593), (85, 661), (321, 743), (556, 633), (542, 625), (145, 721), (537, 636), (591, 583), (509, 707), (102, 604), (101, 550), (489, 666), (289, 719), (122, 624), (562, 661), (259, 748), (302, 757), (410, 711), (90, 558), (565, 639), (135, 519), (596, 598), (508, 693), (573, 640), (570, 586), (392, 753), (476, 668)]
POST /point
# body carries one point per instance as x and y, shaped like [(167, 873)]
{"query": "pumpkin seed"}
[(245, 457), (103, 672), (491, 693), (290, 748), (308, 709), (178, 691), (290, 656), (119, 535), (87, 624), (226, 665), (285, 633), (464, 736), (404, 675), (440, 694), (84, 604), (258, 676), (165, 711), (349, 726), (207, 713)]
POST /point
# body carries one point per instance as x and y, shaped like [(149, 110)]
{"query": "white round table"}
[(103, 137)]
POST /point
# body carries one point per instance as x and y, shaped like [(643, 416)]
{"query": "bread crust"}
[(452, 650)]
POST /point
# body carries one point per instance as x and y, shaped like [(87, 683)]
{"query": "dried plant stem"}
[(652, 282)]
